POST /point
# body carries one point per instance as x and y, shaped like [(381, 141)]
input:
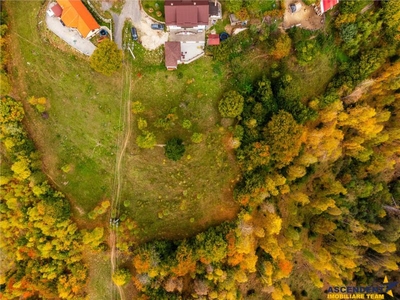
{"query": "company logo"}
[(362, 292)]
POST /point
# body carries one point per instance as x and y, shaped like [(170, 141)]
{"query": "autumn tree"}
[(121, 276), (391, 17), (231, 105), (107, 58), (284, 137), (282, 47)]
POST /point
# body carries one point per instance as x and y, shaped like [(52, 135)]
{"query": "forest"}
[(318, 189)]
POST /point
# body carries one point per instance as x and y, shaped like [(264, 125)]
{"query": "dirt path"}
[(113, 259), (125, 123)]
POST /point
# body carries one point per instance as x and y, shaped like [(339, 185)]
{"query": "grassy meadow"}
[(79, 140), (83, 106)]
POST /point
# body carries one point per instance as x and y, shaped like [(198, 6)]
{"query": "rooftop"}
[(213, 39), (172, 54), (186, 13), (328, 4), (76, 15)]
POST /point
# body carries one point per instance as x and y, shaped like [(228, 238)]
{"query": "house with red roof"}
[(186, 22), (172, 55), (326, 5), (186, 13)]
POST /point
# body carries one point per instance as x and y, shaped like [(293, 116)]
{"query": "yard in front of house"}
[(154, 8)]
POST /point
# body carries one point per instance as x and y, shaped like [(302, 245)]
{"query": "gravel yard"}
[(150, 39), (306, 17)]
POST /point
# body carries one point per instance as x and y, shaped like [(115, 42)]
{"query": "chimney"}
[(215, 2)]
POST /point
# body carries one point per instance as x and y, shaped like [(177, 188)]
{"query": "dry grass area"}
[(100, 285)]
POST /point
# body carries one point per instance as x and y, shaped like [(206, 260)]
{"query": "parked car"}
[(157, 26), (134, 34)]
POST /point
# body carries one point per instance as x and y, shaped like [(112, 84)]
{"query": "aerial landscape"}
[(200, 149)]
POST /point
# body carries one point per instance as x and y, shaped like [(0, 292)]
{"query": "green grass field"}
[(167, 199), (83, 108)]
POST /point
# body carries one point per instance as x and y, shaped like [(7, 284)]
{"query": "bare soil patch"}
[(306, 17)]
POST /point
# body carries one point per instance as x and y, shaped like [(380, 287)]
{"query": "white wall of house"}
[(198, 27), (92, 33)]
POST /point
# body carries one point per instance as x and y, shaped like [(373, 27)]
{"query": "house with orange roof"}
[(76, 15)]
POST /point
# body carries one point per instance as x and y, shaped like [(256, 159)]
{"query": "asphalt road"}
[(131, 10)]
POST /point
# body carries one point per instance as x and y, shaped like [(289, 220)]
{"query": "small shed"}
[(172, 55), (235, 21), (213, 40)]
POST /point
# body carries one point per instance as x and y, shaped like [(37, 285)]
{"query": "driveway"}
[(70, 36), (149, 38), (306, 17)]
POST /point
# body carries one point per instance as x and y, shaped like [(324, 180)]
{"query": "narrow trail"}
[(125, 125)]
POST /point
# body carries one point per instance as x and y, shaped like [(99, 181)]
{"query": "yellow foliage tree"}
[(21, 168), (121, 277)]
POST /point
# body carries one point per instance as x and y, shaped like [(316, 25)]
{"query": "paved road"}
[(131, 10), (149, 38)]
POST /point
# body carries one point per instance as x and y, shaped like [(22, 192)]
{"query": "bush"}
[(137, 107), (197, 138), (147, 140), (174, 149), (186, 124), (231, 105), (142, 123)]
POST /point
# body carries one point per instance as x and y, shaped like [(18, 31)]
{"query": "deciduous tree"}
[(107, 58), (231, 105)]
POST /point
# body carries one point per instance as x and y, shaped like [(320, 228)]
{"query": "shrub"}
[(186, 124), (147, 140), (142, 123), (197, 138), (137, 107), (38, 103), (174, 149)]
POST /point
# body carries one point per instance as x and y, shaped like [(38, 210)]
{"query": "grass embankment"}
[(83, 108), (167, 199)]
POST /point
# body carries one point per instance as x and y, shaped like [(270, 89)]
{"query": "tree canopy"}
[(231, 105), (107, 58), (174, 149)]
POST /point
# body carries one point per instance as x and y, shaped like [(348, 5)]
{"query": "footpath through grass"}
[(78, 141), (177, 199)]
